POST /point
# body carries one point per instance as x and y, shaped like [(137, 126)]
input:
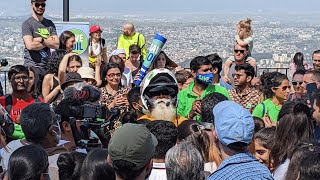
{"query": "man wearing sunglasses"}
[(299, 91), (244, 93), (39, 36), (240, 56)]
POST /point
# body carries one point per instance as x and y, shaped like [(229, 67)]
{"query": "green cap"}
[(133, 143)]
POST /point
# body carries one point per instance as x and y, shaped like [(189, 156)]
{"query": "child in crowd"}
[(263, 142), (243, 38)]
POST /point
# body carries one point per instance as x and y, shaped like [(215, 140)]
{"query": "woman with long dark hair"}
[(293, 128), (28, 162), (195, 133), (298, 63), (67, 41)]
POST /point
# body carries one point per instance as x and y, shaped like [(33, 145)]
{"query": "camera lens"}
[(4, 62)]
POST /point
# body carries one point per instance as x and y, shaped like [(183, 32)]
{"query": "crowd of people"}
[(213, 121)]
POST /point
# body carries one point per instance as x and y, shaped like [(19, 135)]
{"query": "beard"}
[(163, 109), (39, 14)]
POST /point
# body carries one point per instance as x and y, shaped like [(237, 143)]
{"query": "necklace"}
[(196, 93)]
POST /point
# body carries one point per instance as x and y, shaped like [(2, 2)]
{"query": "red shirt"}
[(18, 105)]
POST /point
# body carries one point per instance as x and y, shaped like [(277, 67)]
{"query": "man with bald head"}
[(130, 37)]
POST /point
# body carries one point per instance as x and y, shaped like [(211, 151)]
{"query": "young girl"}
[(97, 46), (243, 38), (263, 142)]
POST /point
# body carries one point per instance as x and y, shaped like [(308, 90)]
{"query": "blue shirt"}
[(241, 166)]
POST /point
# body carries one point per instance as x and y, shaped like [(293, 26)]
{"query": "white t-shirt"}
[(96, 48), (158, 172), (281, 172), (126, 79), (5, 154), (210, 167)]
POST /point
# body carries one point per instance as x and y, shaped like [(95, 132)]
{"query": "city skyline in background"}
[(21, 7)]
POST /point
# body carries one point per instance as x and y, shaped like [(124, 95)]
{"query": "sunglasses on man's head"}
[(296, 83), (40, 4), (237, 50)]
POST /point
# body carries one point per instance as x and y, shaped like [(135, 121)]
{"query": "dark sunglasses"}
[(237, 75), (40, 4), (241, 51), (284, 88), (296, 83)]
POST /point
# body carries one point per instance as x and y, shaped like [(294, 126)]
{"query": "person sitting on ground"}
[(166, 134), (189, 104), (159, 91), (234, 129), (96, 166), (184, 78), (131, 149), (70, 165), (183, 161), (28, 162)]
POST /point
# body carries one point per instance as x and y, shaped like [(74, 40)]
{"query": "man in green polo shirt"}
[(189, 99)]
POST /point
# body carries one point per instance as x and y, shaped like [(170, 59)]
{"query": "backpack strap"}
[(8, 103), (263, 109)]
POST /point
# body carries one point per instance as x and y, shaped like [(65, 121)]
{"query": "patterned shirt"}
[(241, 166), (249, 98), (107, 98)]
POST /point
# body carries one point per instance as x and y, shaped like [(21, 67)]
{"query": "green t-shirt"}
[(186, 97), (269, 108)]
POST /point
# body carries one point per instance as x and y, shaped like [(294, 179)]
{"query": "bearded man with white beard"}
[(159, 91)]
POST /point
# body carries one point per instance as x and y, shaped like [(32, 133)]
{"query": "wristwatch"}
[(42, 40)]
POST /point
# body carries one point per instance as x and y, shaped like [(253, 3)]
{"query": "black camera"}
[(6, 122), (92, 118), (4, 62)]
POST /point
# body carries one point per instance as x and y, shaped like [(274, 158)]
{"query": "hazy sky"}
[(136, 6)]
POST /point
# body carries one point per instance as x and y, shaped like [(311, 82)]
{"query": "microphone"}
[(86, 93)]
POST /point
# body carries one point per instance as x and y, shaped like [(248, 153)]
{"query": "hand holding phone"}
[(311, 87)]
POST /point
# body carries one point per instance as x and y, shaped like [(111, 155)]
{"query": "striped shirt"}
[(241, 166)]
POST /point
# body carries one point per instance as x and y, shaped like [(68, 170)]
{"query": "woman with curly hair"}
[(276, 89)]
